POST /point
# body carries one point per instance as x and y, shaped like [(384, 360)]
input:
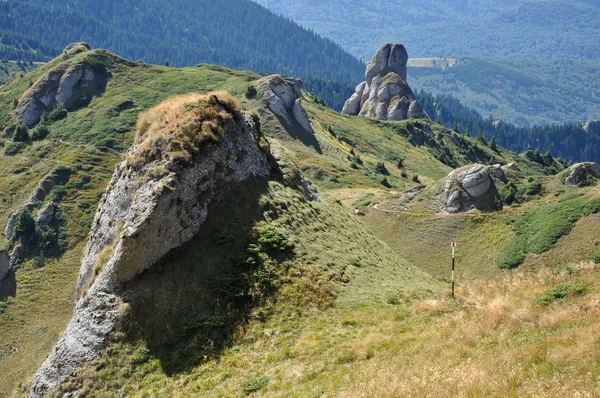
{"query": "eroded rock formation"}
[(65, 85), (284, 98), (471, 187), (384, 94), (158, 199), (579, 172), (4, 264)]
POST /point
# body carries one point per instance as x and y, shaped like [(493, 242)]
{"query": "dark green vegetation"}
[(235, 33), (567, 141), (563, 290), (522, 92), (538, 230), (438, 28)]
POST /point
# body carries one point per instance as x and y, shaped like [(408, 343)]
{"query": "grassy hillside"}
[(278, 296)]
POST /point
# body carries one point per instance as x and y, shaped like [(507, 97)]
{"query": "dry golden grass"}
[(180, 125), (497, 341)]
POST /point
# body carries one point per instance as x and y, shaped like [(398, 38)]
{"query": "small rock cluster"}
[(385, 95), (284, 98)]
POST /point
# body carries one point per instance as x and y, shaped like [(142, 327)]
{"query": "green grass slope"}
[(278, 296)]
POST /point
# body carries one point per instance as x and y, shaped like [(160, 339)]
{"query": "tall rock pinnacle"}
[(384, 94)]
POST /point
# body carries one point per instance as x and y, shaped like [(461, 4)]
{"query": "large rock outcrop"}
[(284, 98), (579, 172), (384, 94), (183, 161), (471, 187), (66, 84)]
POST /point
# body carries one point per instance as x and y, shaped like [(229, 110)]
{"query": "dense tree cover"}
[(18, 47), (524, 92), (235, 33), (436, 28), (569, 141)]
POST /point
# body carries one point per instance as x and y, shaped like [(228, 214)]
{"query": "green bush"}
[(21, 133), (57, 113), (381, 169), (39, 132), (274, 239), (12, 148), (253, 385), (511, 256), (386, 183), (563, 290), (251, 92), (595, 256)]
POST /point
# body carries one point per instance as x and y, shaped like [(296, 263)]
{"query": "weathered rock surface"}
[(580, 171), (384, 94), (475, 180), (291, 173), (64, 85), (45, 217), (139, 220), (4, 264), (471, 187), (592, 126), (284, 98)]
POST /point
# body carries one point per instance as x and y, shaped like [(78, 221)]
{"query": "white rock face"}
[(465, 188), (135, 226), (512, 166), (475, 180), (384, 94), (65, 82), (592, 126), (283, 98), (4, 264), (579, 171)]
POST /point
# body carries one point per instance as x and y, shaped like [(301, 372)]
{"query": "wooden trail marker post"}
[(453, 244)]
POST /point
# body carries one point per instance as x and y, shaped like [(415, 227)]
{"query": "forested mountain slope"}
[(236, 33), (437, 28)]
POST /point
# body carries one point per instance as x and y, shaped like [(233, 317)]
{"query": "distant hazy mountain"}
[(525, 92), (431, 28)]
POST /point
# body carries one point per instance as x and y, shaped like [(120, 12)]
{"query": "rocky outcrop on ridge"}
[(385, 95), (471, 187), (182, 162), (284, 98), (64, 85), (579, 172)]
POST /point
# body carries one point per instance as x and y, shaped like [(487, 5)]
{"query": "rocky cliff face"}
[(385, 95), (65, 85), (189, 152)]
